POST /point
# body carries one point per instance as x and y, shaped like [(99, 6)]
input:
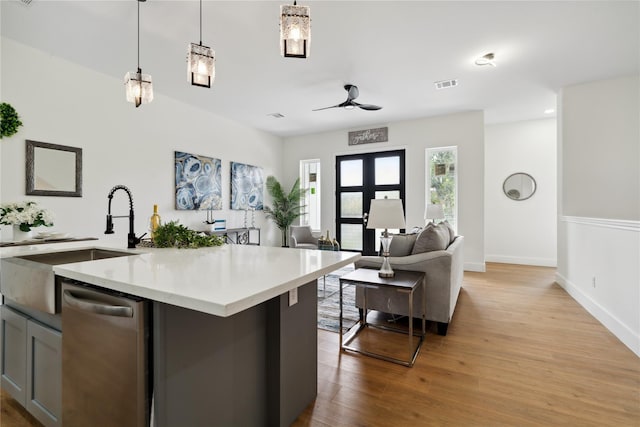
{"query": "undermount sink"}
[(29, 279), (67, 257)]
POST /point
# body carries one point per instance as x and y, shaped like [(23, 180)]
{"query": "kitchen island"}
[(230, 343)]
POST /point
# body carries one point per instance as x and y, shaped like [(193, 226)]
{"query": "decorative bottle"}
[(154, 221)]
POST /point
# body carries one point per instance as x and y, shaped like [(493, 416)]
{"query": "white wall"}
[(599, 202), (465, 130), (521, 232), (62, 103)]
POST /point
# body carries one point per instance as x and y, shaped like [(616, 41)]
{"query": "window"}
[(310, 180), (442, 181)]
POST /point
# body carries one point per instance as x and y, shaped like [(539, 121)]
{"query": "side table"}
[(403, 281)]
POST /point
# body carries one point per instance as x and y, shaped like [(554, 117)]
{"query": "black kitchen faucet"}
[(132, 240)]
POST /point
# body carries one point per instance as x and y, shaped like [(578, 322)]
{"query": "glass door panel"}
[(351, 205), (387, 170), (351, 237), (351, 173)]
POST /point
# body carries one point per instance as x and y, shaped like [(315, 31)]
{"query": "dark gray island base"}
[(255, 368)]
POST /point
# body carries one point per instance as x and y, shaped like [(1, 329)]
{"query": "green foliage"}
[(443, 187), (286, 207), (9, 120), (174, 235)]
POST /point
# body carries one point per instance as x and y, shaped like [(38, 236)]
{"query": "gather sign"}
[(369, 136)]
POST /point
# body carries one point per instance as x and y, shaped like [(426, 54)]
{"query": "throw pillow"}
[(402, 244), (432, 238), (452, 233)]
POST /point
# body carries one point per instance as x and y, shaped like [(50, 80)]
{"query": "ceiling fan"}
[(349, 104)]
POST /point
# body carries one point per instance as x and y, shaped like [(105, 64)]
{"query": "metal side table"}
[(403, 281)]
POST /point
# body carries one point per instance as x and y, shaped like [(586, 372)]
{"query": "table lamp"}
[(433, 212), (386, 213)]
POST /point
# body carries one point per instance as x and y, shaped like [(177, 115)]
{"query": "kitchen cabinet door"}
[(13, 350), (44, 373)]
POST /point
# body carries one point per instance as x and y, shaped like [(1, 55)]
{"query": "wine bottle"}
[(154, 221)]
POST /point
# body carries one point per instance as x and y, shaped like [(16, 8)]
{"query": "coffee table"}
[(403, 281)]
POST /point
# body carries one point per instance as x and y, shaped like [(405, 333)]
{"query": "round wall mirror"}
[(519, 186)]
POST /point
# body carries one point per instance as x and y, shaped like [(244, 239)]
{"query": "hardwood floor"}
[(519, 352)]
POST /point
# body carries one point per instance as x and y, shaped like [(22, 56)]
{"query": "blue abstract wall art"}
[(198, 182), (247, 187)]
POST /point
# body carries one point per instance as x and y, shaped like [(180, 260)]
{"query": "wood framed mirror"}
[(53, 170)]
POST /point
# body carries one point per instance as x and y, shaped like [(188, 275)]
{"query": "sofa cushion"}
[(402, 244), (452, 233), (432, 238)]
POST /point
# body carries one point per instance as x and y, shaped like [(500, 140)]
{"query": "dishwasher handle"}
[(97, 307)]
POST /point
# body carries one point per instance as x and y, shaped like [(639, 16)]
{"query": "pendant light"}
[(295, 31), (201, 62), (138, 86)]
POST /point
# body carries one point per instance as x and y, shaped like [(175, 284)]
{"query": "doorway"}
[(360, 178)]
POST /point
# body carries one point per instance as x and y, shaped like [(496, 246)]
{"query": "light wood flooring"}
[(519, 352)]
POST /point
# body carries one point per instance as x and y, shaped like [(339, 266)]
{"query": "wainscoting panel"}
[(599, 266)]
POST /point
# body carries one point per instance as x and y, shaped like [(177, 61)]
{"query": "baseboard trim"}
[(479, 267), (611, 322), (506, 259)]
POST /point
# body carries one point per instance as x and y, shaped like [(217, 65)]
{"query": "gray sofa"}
[(443, 279)]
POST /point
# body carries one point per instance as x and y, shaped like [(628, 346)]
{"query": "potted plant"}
[(286, 207), (24, 216)]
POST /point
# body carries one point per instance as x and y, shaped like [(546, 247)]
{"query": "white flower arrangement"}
[(26, 214)]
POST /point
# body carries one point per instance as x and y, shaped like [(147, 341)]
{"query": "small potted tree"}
[(286, 207)]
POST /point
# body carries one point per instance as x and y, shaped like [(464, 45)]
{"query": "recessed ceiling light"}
[(446, 84), (276, 115), (549, 111), (487, 59)]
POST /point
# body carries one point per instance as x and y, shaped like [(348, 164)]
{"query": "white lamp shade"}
[(434, 212), (386, 213)]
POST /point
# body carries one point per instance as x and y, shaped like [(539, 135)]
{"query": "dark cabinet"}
[(32, 365), (14, 354)]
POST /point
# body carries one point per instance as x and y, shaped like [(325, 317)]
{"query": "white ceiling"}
[(392, 50)]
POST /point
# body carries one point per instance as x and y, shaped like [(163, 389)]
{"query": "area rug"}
[(329, 302)]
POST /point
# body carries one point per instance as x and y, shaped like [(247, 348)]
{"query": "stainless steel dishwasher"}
[(105, 363)]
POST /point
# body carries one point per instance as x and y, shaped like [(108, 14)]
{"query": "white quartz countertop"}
[(223, 280)]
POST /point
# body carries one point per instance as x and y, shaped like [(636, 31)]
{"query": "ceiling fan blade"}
[(326, 108), (368, 107)]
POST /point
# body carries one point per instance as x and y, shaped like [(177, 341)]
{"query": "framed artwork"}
[(198, 182), (247, 187)]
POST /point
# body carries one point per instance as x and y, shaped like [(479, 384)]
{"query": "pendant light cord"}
[(200, 22), (138, 34)]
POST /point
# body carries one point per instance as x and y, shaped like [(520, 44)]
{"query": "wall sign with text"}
[(369, 136)]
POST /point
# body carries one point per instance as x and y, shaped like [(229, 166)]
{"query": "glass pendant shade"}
[(201, 64), (139, 87), (295, 31)]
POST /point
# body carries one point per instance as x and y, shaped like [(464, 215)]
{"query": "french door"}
[(360, 178)]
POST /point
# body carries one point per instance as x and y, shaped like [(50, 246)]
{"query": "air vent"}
[(446, 84), (25, 2), (276, 115)]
